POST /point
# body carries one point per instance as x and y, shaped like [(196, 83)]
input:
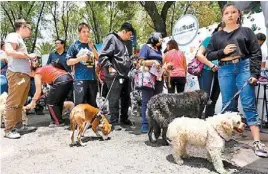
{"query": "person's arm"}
[(200, 56), (71, 59), (212, 52), (107, 52), (255, 51), (94, 51), (38, 87), (143, 56), (184, 64), (10, 49)]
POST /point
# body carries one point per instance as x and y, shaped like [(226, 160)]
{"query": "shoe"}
[(259, 149), (26, 129), (116, 127), (52, 125), (13, 134), (126, 122), (144, 128)]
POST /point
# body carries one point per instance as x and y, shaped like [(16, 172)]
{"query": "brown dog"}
[(166, 77), (85, 113)]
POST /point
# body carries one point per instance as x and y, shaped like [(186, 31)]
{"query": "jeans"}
[(4, 85), (178, 82), (233, 77), (208, 81), (147, 93), (85, 91), (120, 91)]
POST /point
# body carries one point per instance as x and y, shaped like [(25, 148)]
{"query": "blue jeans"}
[(232, 77), (208, 81), (147, 93), (4, 85)]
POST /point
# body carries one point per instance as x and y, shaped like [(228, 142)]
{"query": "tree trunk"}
[(222, 3), (159, 20), (37, 25)]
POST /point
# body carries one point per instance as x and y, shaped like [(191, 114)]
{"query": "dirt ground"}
[(47, 151)]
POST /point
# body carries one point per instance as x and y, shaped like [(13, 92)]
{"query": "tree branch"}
[(9, 17), (37, 25), (30, 9), (164, 11)]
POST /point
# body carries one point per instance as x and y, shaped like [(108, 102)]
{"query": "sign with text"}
[(185, 29)]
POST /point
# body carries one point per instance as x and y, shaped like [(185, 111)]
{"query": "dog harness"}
[(98, 116)]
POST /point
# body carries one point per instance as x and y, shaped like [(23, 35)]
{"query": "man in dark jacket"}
[(115, 60)]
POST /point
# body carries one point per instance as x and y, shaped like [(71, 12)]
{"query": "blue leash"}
[(237, 93)]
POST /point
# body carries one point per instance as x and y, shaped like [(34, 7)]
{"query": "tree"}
[(30, 11), (158, 19)]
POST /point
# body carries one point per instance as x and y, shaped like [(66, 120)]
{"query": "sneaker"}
[(13, 134), (116, 127), (126, 122), (52, 125), (144, 128), (259, 149), (26, 129)]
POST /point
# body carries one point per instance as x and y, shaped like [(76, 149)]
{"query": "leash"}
[(237, 93), (101, 107)]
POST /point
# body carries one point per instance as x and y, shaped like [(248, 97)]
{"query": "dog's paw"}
[(179, 161)]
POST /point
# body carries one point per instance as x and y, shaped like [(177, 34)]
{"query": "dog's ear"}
[(227, 125)]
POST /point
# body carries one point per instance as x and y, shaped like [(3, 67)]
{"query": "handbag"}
[(144, 79), (195, 67)]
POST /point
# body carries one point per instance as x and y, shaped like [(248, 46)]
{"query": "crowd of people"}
[(232, 57)]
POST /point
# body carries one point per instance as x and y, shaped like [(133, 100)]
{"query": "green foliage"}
[(102, 16)]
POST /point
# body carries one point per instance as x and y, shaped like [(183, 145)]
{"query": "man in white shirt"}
[(18, 76)]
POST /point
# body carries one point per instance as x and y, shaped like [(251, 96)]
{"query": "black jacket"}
[(114, 53)]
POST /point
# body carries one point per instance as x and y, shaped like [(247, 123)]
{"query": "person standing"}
[(78, 55), (4, 61), (59, 55), (115, 60), (239, 56), (150, 55), (18, 76), (176, 60), (208, 80)]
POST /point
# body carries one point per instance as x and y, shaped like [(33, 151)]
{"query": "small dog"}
[(166, 77), (210, 134), (135, 108), (163, 108), (85, 113)]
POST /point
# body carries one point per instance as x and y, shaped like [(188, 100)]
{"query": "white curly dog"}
[(210, 134)]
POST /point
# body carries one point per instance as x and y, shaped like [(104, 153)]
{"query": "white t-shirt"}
[(18, 64)]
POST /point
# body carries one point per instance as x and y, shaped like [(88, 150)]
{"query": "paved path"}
[(47, 151)]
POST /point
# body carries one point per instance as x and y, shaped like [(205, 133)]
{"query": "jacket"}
[(114, 53)]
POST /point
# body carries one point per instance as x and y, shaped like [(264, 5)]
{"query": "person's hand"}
[(252, 80), (214, 68), (32, 55), (83, 58), (229, 49), (30, 106)]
